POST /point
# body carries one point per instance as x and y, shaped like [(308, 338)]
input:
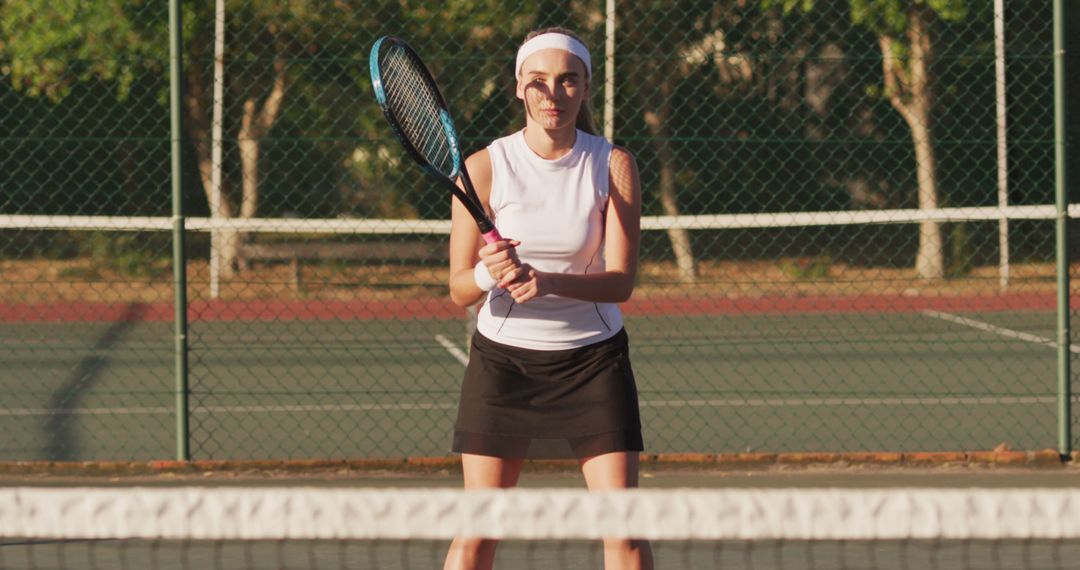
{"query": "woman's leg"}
[(611, 471), (481, 472)]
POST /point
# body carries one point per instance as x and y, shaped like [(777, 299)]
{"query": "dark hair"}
[(584, 118)]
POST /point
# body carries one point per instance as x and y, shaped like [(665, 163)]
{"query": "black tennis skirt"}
[(522, 403)]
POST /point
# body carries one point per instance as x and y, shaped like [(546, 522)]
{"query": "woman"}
[(550, 359)]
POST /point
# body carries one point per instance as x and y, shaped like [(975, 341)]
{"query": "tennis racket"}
[(413, 105)]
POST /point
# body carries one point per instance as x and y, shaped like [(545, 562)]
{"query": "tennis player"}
[(550, 359)]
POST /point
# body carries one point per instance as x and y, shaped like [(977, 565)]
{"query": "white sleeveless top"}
[(556, 209)]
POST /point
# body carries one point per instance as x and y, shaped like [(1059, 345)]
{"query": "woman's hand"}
[(524, 283), (520, 280), (500, 257)]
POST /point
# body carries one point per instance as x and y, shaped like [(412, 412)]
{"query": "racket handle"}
[(492, 236)]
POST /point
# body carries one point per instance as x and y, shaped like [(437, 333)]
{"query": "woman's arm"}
[(465, 240), (622, 235)]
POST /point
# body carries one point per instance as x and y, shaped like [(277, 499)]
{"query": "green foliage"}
[(125, 253), (739, 128), (789, 6), (891, 16), (813, 268), (882, 16), (52, 44)]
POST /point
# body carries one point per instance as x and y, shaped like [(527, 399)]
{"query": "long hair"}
[(584, 119)]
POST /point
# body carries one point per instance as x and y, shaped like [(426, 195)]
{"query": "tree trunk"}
[(680, 237), (930, 260), (198, 126), (254, 125), (909, 91)]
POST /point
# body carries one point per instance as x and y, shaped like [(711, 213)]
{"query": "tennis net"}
[(291, 527)]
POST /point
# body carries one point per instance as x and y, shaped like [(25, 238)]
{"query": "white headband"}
[(553, 40)]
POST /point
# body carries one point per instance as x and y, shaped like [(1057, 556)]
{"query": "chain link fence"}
[(848, 245)]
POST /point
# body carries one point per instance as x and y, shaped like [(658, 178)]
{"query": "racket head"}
[(414, 106)]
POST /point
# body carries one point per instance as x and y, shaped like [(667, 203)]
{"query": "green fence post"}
[(1062, 200), (179, 258)]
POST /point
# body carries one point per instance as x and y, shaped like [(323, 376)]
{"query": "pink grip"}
[(492, 236)]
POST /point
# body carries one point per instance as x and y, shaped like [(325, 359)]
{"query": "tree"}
[(656, 61), (54, 45), (268, 45), (908, 75), (73, 155), (904, 29)]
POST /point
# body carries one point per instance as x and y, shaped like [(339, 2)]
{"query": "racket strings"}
[(412, 99)]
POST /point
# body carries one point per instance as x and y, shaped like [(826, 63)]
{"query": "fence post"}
[(609, 71), (1062, 253), (1002, 142), (216, 143), (179, 257)]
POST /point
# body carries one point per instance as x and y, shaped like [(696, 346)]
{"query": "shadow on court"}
[(63, 441)]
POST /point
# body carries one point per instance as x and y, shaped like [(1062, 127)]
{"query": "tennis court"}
[(855, 242), (921, 380)]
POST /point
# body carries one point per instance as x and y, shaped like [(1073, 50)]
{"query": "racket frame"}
[(466, 196)]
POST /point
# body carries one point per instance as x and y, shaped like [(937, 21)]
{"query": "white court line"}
[(849, 401), (698, 403), (1001, 331), (453, 349), (196, 410)]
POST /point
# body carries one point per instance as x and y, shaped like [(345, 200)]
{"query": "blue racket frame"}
[(467, 197)]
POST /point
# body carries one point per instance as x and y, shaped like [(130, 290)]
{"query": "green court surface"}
[(914, 381)]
